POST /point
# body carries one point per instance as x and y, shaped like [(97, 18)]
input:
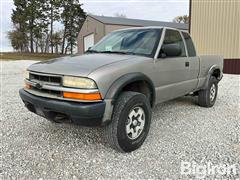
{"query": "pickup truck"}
[(117, 82)]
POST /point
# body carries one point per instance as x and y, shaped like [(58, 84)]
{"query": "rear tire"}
[(207, 97), (130, 122)]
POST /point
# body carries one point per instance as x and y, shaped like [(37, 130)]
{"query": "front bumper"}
[(75, 112)]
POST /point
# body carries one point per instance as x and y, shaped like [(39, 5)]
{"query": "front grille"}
[(45, 79), (56, 80), (46, 91)]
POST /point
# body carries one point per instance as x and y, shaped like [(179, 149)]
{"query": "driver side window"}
[(173, 39)]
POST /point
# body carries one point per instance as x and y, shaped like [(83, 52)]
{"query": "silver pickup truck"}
[(117, 82)]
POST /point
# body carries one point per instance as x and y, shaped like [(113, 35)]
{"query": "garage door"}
[(88, 41)]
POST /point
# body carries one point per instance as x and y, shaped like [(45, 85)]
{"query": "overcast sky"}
[(160, 10)]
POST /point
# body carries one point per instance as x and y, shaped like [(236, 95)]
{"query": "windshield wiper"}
[(92, 51), (117, 52)]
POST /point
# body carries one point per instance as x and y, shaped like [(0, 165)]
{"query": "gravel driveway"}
[(34, 148)]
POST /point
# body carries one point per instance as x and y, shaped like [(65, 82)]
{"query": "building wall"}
[(99, 29), (215, 29), (90, 26)]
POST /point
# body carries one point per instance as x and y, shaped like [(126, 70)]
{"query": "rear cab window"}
[(189, 44)]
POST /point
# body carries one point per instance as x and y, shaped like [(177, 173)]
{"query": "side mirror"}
[(170, 50)]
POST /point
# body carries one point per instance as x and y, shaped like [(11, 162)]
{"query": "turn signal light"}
[(27, 86), (81, 96)]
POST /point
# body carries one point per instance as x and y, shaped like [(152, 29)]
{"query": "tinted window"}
[(189, 44), (174, 37)]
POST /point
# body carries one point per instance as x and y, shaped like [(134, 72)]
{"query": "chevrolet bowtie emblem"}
[(38, 85)]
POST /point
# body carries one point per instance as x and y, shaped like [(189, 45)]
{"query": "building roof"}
[(138, 22)]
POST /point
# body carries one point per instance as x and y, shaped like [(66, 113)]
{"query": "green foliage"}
[(182, 19), (18, 40), (73, 17), (56, 40), (19, 16), (29, 19), (120, 15), (34, 20)]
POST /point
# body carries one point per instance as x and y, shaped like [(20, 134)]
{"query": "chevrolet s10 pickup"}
[(117, 82)]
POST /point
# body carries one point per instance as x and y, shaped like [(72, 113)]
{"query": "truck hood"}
[(80, 65)]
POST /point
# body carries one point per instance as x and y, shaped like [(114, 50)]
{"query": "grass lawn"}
[(9, 56)]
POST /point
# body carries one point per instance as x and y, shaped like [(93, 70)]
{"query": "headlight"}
[(78, 82), (26, 74)]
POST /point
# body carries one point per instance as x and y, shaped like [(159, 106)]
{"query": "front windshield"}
[(138, 41)]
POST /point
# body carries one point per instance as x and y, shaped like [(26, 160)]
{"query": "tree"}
[(73, 17), (34, 14), (19, 40), (120, 15), (53, 12), (33, 21), (42, 42), (28, 18), (56, 40), (182, 19), (20, 24)]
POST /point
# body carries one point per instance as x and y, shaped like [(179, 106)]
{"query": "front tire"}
[(207, 97), (130, 122)]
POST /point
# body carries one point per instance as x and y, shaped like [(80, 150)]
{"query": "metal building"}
[(215, 29)]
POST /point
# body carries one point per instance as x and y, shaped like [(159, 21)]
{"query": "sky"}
[(159, 10)]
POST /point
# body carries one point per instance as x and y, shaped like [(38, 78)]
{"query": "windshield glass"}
[(138, 41)]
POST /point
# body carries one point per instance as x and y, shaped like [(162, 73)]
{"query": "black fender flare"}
[(209, 74), (116, 88)]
